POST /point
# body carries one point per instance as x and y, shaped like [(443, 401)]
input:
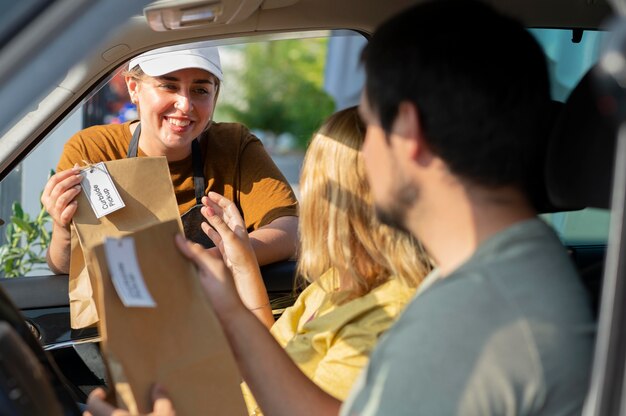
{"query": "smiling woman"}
[(175, 90), (179, 108)]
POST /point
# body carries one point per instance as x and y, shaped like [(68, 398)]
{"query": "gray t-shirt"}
[(510, 332)]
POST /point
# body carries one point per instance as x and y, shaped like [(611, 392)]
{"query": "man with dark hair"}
[(454, 102)]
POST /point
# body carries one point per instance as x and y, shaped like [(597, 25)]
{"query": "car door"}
[(40, 40)]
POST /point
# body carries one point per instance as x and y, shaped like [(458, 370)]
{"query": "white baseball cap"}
[(162, 61)]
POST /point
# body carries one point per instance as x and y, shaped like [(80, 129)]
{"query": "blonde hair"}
[(338, 225)]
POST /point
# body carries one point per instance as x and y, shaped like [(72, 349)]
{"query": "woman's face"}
[(174, 109)]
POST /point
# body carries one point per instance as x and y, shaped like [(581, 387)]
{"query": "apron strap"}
[(198, 170), (134, 143), (196, 156)]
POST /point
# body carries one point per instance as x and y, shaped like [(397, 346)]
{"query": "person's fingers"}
[(64, 185), (227, 210), (213, 207), (218, 224), (207, 205), (97, 406), (211, 233), (64, 199), (215, 197), (193, 243), (183, 245), (163, 405), (228, 206), (196, 253), (207, 212), (59, 177), (98, 393), (220, 200), (215, 253), (58, 194), (68, 213)]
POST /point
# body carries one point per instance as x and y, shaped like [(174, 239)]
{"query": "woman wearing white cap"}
[(175, 89)]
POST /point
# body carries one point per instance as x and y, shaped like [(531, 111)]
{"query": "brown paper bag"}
[(145, 186), (179, 343)]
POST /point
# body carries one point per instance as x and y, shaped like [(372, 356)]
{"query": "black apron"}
[(192, 218)]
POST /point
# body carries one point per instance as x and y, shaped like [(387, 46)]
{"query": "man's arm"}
[(278, 385)]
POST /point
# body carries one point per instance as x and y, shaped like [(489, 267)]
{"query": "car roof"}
[(239, 19)]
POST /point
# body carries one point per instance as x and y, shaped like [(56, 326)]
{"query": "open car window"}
[(281, 87), (570, 54)]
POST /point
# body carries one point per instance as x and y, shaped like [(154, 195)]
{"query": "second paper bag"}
[(176, 342)]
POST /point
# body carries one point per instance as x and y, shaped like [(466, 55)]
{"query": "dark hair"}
[(479, 82)]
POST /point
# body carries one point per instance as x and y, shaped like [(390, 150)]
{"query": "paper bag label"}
[(125, 273), (100, 190)]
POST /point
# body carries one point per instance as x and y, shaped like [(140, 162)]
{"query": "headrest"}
[(537, 190), (581, 149)]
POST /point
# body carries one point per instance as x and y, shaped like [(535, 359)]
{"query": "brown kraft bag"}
[(178, 343), (145, 187)]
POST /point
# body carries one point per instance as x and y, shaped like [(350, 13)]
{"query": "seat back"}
[(579, 164)]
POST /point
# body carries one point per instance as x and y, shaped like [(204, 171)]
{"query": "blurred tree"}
[(279, 88)]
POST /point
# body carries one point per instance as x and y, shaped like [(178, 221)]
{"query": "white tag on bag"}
[(100, 190), (125, 273)]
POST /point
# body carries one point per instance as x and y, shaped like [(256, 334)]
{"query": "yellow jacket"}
[(331, 342)]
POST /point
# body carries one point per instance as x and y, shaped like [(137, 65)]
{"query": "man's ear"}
[(408, 126)]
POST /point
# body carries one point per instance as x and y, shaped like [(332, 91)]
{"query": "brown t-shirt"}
[(236, 165)]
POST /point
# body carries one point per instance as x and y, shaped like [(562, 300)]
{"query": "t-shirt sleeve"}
[(95, 144), (264, 193), (74, 151)]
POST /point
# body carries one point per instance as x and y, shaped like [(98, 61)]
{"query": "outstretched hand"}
[(215, 277), (228, 233), (97, 406), (231, 238)]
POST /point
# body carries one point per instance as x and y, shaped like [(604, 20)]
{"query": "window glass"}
[(588, 226), (567, 63), (282, 88)]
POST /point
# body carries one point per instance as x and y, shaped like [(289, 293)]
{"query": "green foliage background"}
[(27, 242), (277, 87)]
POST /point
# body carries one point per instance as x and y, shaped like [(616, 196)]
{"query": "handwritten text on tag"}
[(100, 190), (125, 273)]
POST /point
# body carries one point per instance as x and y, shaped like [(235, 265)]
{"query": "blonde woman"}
[(361, 272), (361, 275)]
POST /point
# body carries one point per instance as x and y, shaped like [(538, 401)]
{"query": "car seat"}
[(579, 162)]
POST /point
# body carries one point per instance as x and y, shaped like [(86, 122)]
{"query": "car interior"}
[(579, 175), (577, 183)]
